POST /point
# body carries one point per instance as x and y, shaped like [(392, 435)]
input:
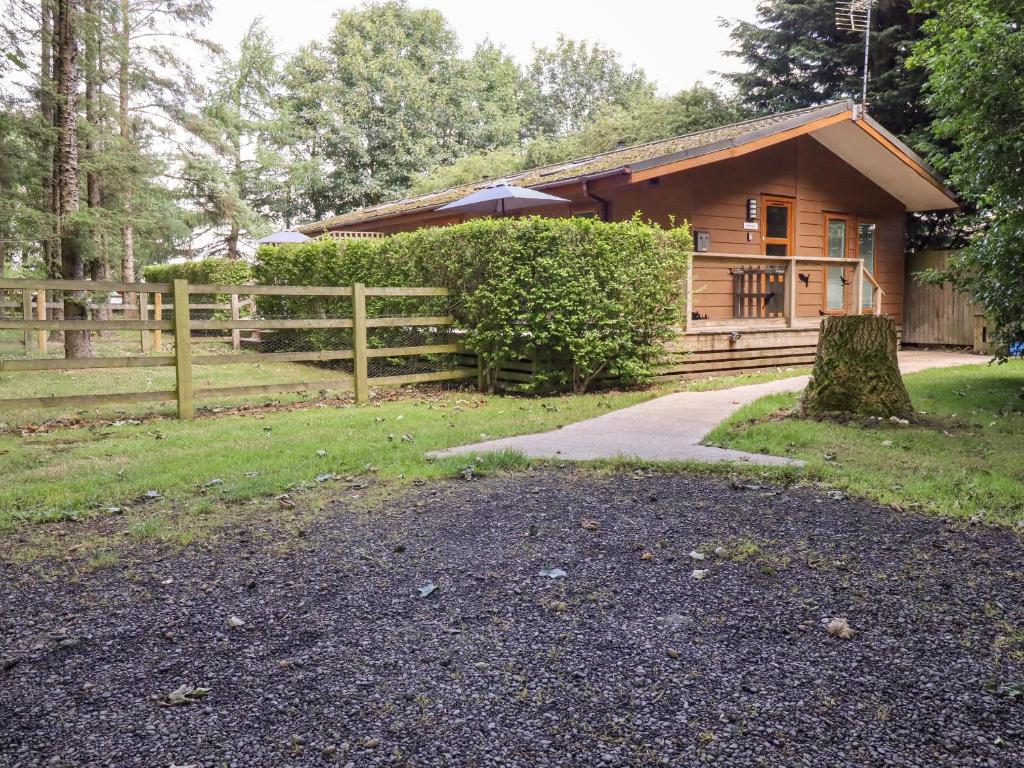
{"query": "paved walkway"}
[(672, 427)]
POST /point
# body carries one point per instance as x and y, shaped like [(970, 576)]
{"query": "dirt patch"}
[(549, 618)]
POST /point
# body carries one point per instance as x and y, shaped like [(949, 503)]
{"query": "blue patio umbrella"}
[(284, 236), (500, 198)]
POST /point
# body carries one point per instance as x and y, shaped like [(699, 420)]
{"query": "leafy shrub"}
[(223, 271), (212, 270), (582, 297)]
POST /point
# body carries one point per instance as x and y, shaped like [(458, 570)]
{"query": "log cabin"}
[(795, 216)]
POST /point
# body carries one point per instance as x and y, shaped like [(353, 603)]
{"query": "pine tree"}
[(796, 57)]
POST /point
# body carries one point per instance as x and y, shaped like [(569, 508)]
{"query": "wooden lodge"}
[(795, 216)]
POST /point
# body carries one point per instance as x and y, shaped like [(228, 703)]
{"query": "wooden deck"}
[(768, 324), (723, 347)]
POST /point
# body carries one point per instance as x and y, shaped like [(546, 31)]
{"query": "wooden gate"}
[(758, 292), (935, 314)]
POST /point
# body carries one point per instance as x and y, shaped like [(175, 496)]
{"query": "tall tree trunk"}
[(54, 265), (99, 268), (236, 177), (73, 235), (46, 112), (48, 76), (129, 300)]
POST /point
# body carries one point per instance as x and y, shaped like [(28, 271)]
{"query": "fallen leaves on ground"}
[(185, 694), (840, 627)]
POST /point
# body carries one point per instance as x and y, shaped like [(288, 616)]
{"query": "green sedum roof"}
[(623, 160)]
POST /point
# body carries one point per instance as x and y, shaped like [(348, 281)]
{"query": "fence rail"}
[(175, 318), (788, 267)]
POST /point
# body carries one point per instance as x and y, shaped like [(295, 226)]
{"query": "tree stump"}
[(856, 370)]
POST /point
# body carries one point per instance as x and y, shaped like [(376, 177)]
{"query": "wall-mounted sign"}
[(750, 225)]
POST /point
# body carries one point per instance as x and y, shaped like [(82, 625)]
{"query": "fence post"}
[(26, 314), (789, 300), (41, 314), (858, 288), (183, 350), (158, 314), (689, 294), (359, 367), (236, 333), (144, 315)]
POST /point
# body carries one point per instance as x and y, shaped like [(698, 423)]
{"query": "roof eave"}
[(934, 175), (736, 141), (320, 227)]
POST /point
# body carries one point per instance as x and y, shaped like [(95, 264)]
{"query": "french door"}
[(837, 231), (867, 242), (847, 237)]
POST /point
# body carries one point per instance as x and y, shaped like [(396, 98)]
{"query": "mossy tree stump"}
[(856, 370)]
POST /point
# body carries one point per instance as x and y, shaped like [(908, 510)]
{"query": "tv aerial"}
[(855, 16)]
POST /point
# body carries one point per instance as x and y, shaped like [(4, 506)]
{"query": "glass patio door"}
[(836, 232), (866, 240)]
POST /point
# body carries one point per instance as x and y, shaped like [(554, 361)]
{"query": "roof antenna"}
[(855, 16)]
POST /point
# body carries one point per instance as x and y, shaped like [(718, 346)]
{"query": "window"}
[(866, 239), (837, 229), (778, 227), (584, 211)]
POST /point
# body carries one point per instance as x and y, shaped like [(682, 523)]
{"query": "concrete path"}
[(672, 427)]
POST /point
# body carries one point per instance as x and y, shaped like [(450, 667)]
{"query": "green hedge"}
[(584, 298), (224, 271), (212, 270)]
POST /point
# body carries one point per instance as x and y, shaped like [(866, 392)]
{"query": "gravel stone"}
[(622, 662)]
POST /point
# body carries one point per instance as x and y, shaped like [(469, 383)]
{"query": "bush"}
[(212, 270), (582, 297), (223, 271)]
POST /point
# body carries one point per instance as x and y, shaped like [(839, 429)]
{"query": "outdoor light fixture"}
[(751, 209)]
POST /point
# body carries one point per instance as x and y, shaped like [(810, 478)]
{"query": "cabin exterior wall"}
[(713, 198)]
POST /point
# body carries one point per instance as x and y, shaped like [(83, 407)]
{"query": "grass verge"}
[(963, 457)]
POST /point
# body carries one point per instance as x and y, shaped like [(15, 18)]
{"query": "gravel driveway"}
[(626, 660)]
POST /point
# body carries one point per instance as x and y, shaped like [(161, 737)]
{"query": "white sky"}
[(677, 42)]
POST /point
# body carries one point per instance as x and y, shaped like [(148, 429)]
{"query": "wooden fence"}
[(37, 304), (176, 319), (936, 314)]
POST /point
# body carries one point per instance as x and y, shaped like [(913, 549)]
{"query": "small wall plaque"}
[(750, 225)]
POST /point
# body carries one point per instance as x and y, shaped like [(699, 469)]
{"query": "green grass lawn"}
[(68, 473), (102, 381), (965, 457)]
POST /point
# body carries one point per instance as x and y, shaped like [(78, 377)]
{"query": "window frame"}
[(849, 242), (790, 240)]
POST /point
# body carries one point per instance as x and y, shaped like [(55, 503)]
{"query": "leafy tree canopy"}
[(796, 57), (973, 54), (647, 119)]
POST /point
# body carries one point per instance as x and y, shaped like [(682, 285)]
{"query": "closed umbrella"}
[(500, 198)]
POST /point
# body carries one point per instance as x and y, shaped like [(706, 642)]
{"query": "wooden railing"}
[(350, 235), (791, 264), (181, 325)]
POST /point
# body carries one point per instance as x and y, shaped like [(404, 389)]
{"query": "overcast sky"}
[(677, 42)]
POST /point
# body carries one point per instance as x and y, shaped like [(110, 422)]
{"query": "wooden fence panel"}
[(935, 314), (177, 319)]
